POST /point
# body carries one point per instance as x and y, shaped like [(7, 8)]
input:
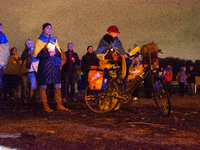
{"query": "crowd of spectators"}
[(45, 63)]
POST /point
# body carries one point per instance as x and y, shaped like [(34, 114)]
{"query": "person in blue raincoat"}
[(4, 55), (48, 52)]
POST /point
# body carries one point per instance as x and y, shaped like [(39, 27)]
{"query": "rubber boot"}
[(58, 99), (43, 97)]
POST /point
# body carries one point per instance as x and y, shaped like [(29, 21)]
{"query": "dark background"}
[(172, 24)]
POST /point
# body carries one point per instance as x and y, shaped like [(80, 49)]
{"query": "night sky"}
[(173, 24)]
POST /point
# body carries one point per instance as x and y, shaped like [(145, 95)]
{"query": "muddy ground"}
[(136, 126)]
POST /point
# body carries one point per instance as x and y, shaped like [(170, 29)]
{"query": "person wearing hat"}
[(48, 52), (88, 60), (110, 49), (110, 40)]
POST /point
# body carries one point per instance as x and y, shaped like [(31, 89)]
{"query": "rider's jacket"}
[(108, 41)]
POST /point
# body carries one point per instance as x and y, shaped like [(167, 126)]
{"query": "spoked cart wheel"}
[(100, 101), (161, 96)]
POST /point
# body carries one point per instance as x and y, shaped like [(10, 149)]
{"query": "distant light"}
[(6, 148), (10, 136)]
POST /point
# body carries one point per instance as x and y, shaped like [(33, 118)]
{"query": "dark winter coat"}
[(49, 66), (27, 56), (48, 73), (190, 76), (70, 66), (89, 59)]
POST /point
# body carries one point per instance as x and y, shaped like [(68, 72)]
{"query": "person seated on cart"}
[(110, 50)]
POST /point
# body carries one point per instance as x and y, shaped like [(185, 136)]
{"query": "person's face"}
[(168, 67), (191, 67), (70, 47), (113, 34), (14, 52), (90, 49), (47, 30), (29, 44)]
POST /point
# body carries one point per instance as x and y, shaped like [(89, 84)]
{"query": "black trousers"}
[(181, 88), (70, 80)]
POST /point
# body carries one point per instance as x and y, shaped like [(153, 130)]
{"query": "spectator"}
[(134, 70), (4, 55), (48, 52), (89, 59), (180, 77), (191, 80), (12, 79), (69, 72), (28, 73), (168, 77)]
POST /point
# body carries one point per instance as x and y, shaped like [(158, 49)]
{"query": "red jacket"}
[(168, 76)]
